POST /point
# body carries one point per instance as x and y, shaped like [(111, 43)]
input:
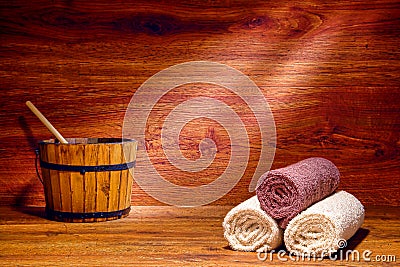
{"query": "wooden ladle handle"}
[(46, 122)]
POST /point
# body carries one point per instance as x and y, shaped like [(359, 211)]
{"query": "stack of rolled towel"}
[(296, 205)]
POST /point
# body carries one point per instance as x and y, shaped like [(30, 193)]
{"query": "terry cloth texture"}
[(248, 228), (324, 227), (284, 193)]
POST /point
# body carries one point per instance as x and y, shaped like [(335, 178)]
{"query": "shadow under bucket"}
[(88, 179)]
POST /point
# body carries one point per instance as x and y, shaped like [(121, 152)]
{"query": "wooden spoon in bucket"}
[(46, 122)]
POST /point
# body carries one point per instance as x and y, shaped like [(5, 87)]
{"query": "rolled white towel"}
[(324, 227), (248, 228)]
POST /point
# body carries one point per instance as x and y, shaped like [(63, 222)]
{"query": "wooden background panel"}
[(330, 73)]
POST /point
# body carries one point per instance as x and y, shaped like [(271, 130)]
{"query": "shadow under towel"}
[(283, 193), (326, 226), (248, 228)]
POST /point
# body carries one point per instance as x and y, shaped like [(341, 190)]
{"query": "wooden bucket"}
[(88, 179)]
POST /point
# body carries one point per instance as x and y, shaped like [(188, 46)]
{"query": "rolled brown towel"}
[(284, 193)]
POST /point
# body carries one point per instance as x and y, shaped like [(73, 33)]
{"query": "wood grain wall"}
[(330, 72)]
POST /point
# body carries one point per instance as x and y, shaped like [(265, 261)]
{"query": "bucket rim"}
[(89, 141)]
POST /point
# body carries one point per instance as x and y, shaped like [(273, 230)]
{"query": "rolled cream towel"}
[(284, 193), (325, 227), (248, 228)]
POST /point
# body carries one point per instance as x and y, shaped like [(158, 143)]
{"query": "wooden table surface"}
[(164, 236)]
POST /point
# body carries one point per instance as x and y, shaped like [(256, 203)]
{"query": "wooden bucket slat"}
[(62, 157), (77, 182), (46, 178), (129, 190), (130, 155), (123, 189), (126, 177), (123, 181), (115, 158), (54, 179), (103, 181), (91, 154)]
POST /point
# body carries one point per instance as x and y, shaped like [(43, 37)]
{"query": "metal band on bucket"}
[(60, 215), (84, 169)]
